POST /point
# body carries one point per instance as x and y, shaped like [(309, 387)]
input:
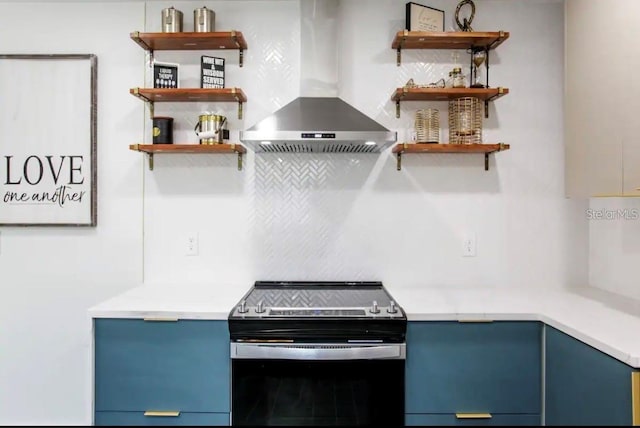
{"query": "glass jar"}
[(457, 78), (449, 81)]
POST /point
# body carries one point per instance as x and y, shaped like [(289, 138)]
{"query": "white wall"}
[(301, 216), (284, 216), (50, 276), (614, 245)]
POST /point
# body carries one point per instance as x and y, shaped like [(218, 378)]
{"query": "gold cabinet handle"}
[(473, 415), (161, 413), (635, 398), (161, 319)]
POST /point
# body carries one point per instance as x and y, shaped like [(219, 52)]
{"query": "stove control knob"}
[(374, 308), (243, 307), (392, 309), (260, 308)]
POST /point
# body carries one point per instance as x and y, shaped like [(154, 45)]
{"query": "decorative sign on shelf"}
[(165, 75), (211, 72), (48, 165), (423, 18)]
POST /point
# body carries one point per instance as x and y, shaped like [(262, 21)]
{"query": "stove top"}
[(317, 299), (317, 311)]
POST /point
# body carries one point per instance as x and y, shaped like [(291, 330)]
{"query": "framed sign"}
[(211, 72), (165, 75), (423, 18), (48, 148)]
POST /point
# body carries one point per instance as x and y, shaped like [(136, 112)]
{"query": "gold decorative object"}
[(465, 120), (438, 84), (478, 57), (427, 124), (466, 24)]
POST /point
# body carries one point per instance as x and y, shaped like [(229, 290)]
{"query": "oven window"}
[(356, 392)]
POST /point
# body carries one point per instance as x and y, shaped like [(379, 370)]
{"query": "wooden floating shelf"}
[(152, 95), (151, 149), (487, 149), (445, 94), (189, 94), (448, 40), (191, 41)]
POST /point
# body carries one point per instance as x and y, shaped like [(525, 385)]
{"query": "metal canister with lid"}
[(204, 20), (162, 130), (210, 128), (171, 20)]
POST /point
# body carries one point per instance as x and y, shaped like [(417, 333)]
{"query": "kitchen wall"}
[(337, 216), (50, 276), (614, 247), (285, 216)]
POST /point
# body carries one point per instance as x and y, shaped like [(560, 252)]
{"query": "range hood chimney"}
[(318, 121)]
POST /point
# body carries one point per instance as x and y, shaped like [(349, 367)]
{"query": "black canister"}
[(162, 130)]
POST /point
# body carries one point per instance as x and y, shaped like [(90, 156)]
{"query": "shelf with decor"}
[(474, 40), (445, 94), (412, 148), (477, 43), (192, 41), (151, 95), (151, 149)]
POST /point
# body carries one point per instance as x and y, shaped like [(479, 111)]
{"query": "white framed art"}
[(48, 147)]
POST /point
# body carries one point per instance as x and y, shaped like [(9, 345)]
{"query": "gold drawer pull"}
[(635, 398), (476, 320), (172, 414), (473, 415), (161, 319)]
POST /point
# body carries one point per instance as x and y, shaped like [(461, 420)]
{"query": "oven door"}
[(317, 384)]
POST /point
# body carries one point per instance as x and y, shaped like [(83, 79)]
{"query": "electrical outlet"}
[(192, 244), (469, 245)]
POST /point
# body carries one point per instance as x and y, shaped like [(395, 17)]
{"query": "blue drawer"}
[(139, 419), (183, 365), (473, 368), (451, 419)]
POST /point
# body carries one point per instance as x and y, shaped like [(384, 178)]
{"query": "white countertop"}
[(590, 320)]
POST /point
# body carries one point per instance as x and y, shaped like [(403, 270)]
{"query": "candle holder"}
[(465, 120), (427, 124)]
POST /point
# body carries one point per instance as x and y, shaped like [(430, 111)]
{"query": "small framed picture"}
[(165, 75), (423, 18), (211, 72)]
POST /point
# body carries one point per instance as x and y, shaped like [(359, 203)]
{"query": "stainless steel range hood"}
[(318, 124), (318, 121)]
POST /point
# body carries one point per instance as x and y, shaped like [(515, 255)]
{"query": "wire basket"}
[(427, 125), (465, 120)]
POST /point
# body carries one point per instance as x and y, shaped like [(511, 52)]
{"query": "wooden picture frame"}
[(48, 140), (424, 18)]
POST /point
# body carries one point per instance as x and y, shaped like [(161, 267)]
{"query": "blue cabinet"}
[(468, 368), (585, 386), (181, 366), (453, 420), (140, 419)]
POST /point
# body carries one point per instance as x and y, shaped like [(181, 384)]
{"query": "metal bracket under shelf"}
[(150, 160), (239, 161), (399, 160)]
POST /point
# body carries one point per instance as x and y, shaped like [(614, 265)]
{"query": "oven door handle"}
[(317, 351)]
